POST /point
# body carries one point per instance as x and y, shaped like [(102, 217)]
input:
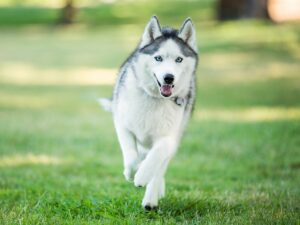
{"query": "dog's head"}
[(167, 58)]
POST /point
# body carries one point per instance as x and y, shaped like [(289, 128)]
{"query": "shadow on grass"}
[(189, 209)]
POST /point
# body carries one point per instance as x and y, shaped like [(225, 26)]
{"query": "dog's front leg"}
[(128, 147), (155, 190), (162, 152)]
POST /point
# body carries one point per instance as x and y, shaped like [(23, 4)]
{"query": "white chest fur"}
[(146, 117)]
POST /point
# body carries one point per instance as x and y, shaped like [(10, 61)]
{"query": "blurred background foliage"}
[(18, 13)]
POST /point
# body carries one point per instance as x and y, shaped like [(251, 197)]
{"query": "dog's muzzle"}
[(166, 89)]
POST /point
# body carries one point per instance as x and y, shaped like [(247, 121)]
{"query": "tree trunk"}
[(238, 9), (68, 12)]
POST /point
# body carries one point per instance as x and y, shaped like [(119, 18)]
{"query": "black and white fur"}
[(152, 102)]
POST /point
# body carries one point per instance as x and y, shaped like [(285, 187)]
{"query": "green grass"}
[(239, 160)]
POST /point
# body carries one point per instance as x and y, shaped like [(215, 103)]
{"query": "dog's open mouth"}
[(165, 89)]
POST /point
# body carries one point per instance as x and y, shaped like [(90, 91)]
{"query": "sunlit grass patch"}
[(29, 159), (22, 74), (253, 114)]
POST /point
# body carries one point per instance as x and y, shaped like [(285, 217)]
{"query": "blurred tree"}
[(237, 9), (68, 12)]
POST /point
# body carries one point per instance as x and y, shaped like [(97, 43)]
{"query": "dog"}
[(152, 101)]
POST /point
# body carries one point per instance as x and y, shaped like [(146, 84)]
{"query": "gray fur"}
[(168, 33)]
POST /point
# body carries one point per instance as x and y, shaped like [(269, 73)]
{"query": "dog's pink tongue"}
[(166, 90)]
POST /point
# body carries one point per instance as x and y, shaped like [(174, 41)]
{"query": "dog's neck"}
[(178, 100)]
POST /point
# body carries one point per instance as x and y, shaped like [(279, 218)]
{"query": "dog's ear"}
[(152, 31), (187, 33)]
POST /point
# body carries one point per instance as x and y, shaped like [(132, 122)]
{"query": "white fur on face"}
[(149, 68)]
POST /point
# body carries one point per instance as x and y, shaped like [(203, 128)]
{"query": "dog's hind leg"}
[(162, 188), (129, 150)]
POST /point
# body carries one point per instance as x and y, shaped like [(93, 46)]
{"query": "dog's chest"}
[(149, 118)]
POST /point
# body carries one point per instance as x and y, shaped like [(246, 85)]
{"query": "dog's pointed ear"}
[(152, 31), (187, 33)]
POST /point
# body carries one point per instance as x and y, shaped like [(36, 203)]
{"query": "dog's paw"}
[(128, 174), (150, 203), (150, 208), (142, 176), (129, 171), (140, 179)]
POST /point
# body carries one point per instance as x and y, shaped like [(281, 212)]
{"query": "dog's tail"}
[(106, 104)]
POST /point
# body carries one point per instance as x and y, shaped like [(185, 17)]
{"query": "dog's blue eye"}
[(158, 58), (178, 59)]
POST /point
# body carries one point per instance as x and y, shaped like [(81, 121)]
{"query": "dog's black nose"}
[(169, 78)]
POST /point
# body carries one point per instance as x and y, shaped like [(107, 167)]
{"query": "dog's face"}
[(168, 58)]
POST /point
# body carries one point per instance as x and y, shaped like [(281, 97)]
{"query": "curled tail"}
[(106, 104)]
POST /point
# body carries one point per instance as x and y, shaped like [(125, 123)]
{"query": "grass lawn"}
[(60, 161)]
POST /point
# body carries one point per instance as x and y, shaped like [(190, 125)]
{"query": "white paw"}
[(140, 179), (143, 176), (128, 174), (129, 171), (150, 202)]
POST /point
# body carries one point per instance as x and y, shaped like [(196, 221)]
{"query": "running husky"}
[(152, 102)]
